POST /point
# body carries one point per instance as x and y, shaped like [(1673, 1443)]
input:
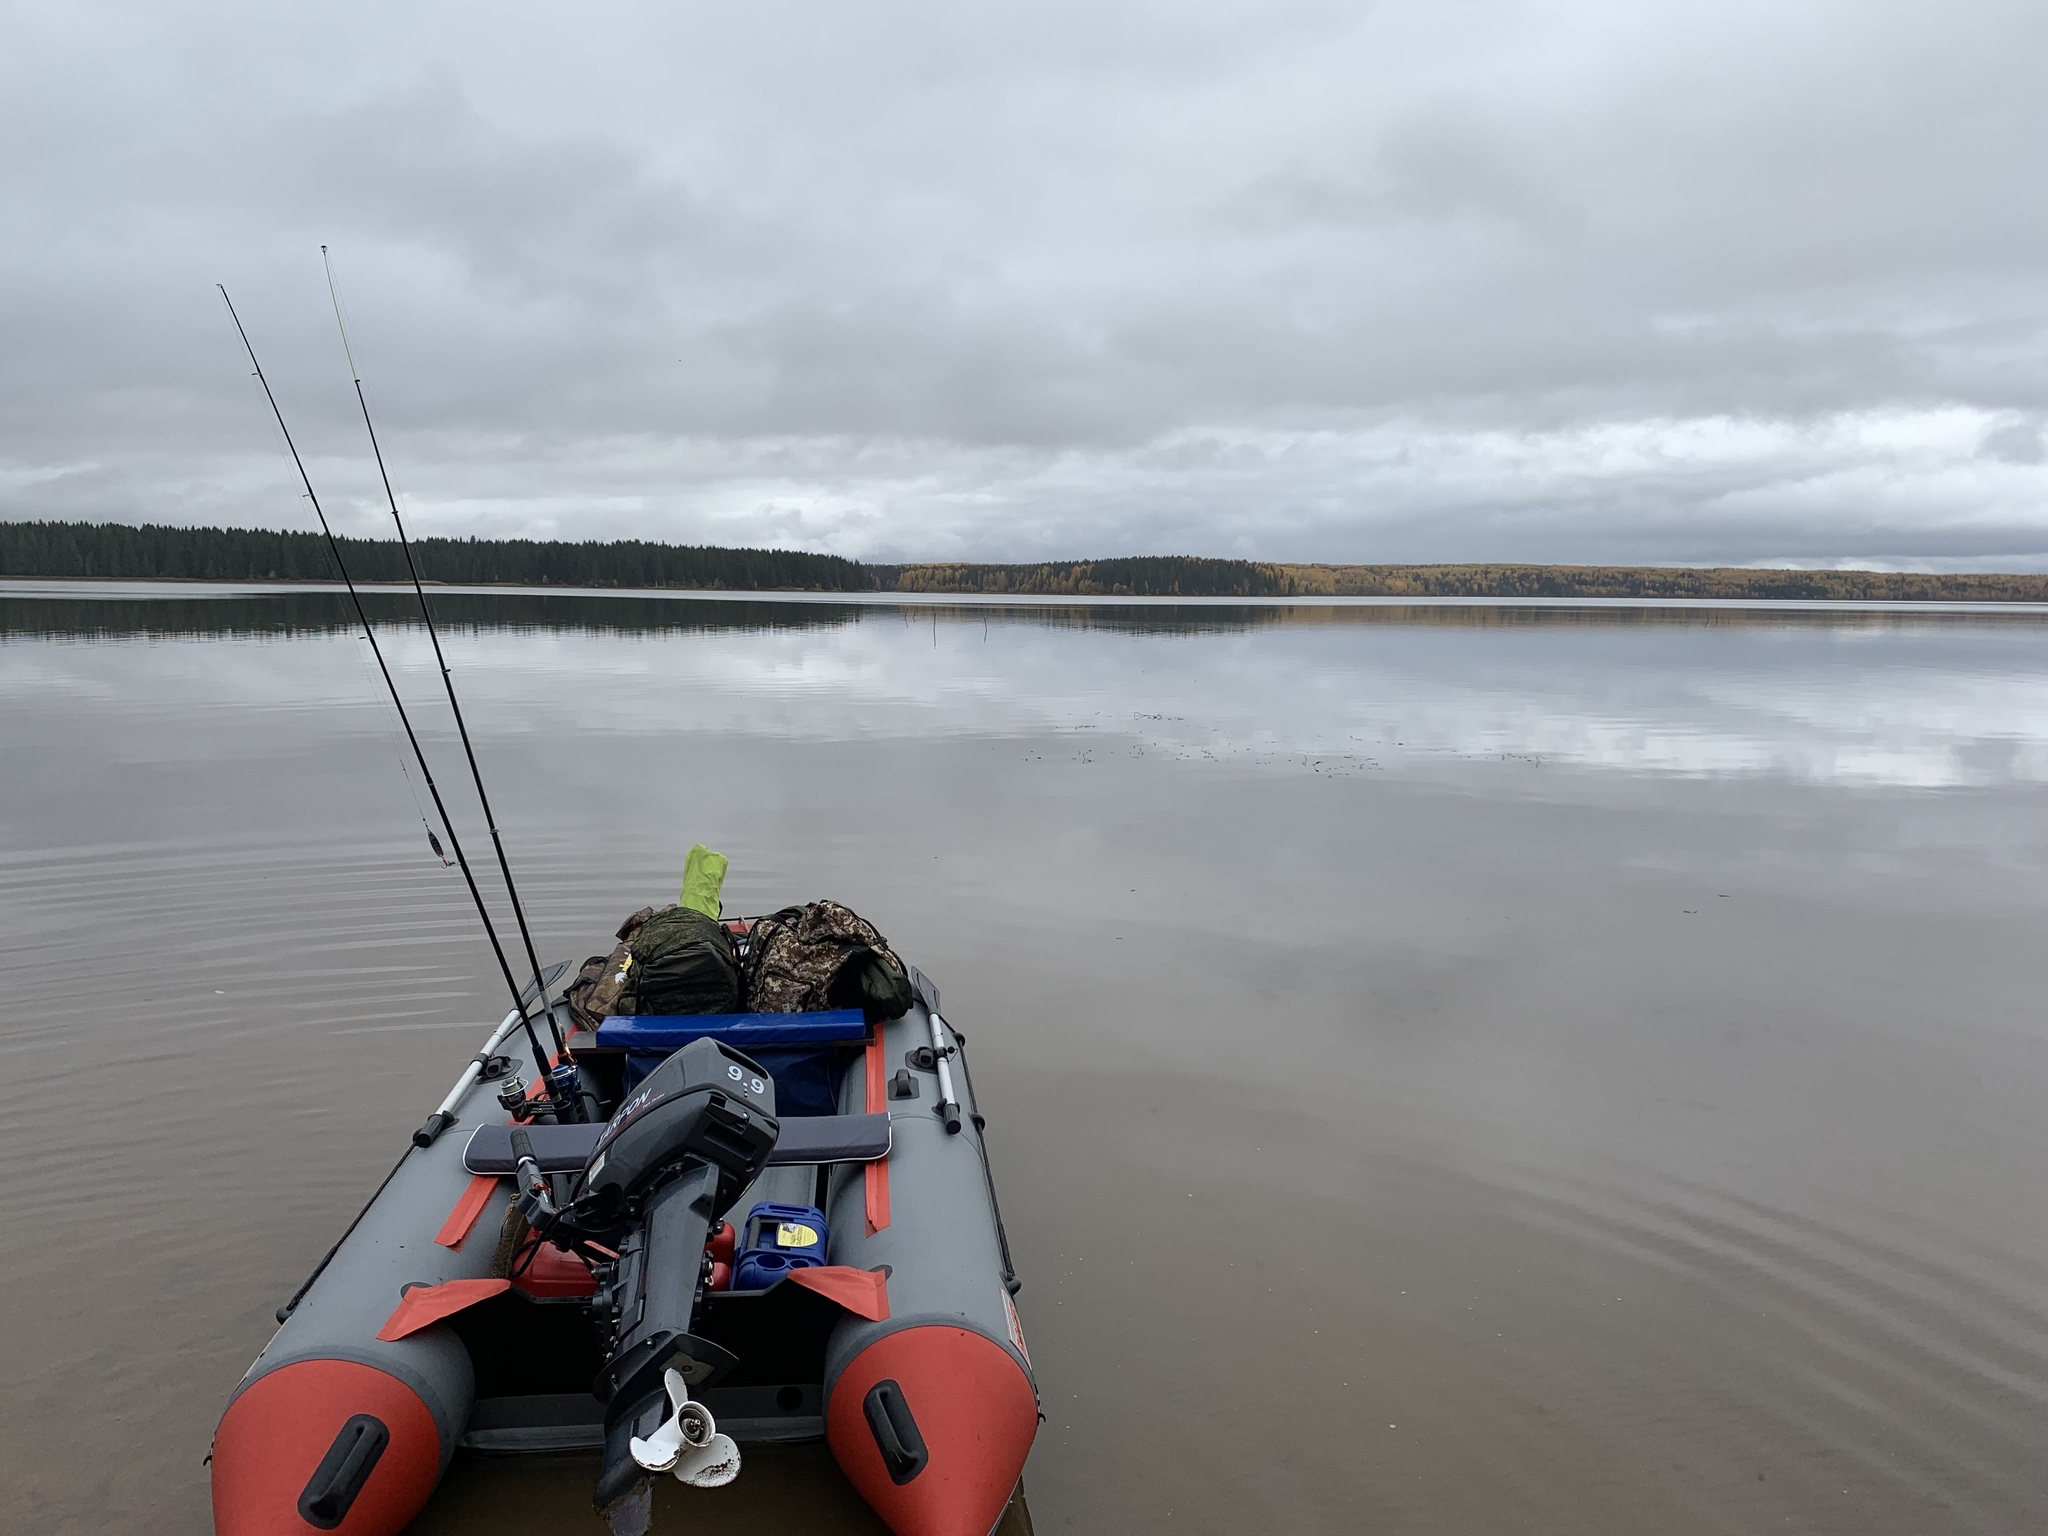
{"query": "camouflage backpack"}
[(675, 960), (823, 956), (594, 995)]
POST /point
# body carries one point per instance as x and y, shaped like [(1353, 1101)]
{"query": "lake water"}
[(1450, 1068)]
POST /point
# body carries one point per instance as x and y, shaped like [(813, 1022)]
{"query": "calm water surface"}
[(1465, 1070)]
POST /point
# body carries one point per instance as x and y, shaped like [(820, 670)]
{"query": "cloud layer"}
[(1293, 280)]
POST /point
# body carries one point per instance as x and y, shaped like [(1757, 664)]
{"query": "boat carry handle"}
[(895, 1431), (331, 1491)]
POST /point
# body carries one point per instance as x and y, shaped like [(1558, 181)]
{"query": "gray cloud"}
[(1401, 281)]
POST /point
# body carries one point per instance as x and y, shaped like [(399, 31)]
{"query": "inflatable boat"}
[(690, 1234)]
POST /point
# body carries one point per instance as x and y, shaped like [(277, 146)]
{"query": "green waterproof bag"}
[(704, 881)]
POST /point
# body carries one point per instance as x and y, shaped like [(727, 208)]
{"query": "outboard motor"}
[(690, 1138)]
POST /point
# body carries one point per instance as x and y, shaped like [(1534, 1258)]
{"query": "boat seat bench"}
[(805, 1140)]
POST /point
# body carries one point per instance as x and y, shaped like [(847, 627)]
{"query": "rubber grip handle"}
[(896, 1434), (325, 1501)]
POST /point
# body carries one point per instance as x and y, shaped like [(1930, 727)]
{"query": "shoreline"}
[(91, 588)]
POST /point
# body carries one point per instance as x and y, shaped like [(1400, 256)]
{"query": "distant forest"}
[(1139, 576), (119, 551), (1659, 581)]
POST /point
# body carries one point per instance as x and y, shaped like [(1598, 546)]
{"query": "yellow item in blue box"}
[(776, 1239)]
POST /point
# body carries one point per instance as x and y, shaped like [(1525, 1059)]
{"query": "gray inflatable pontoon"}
[(666, 1272)]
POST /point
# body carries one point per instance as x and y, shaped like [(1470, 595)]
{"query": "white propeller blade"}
[(712, 1465), (688, 1442), (688, 1424)]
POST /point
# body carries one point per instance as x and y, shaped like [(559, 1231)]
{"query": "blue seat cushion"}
[(666, 1032), (804, 1052)]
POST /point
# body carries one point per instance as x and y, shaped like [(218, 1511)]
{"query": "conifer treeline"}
[(1140, 576), (118, 551)]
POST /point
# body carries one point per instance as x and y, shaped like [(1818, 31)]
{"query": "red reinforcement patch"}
[(876, 1174), (863, 1292), (422, 1305), (470, 1206)]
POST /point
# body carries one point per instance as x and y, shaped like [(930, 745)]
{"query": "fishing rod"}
[(540, 1058), (433, 634)]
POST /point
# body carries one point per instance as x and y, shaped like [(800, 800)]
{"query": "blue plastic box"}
[(776, 1239)]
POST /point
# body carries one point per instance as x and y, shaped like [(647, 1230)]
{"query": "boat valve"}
[(688, 1442)]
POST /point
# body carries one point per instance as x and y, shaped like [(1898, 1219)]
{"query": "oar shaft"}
[(445, 1116), (476, 1066), (948, 1106)]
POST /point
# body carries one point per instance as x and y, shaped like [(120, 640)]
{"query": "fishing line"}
[(433, 841), (390, 735), (447, 677), (370, 634), (405, 772)]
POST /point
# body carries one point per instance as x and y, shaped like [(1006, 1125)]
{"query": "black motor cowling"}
[(706, 1102)]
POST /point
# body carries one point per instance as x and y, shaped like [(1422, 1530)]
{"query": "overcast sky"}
[(1719, 282)]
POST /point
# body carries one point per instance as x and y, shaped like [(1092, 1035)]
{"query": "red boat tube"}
[(932, 1425), (323, 1445), (930, 1411), (335, 1429)]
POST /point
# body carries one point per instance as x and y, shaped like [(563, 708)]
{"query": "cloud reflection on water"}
[(1904, 700)]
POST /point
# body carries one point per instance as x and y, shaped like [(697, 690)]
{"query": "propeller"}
[(688, 1442)]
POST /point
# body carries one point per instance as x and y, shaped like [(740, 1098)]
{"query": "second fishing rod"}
[(562, 1103), (434, 635)]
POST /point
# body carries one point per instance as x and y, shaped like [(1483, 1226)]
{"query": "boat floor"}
[(535, 1361)]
